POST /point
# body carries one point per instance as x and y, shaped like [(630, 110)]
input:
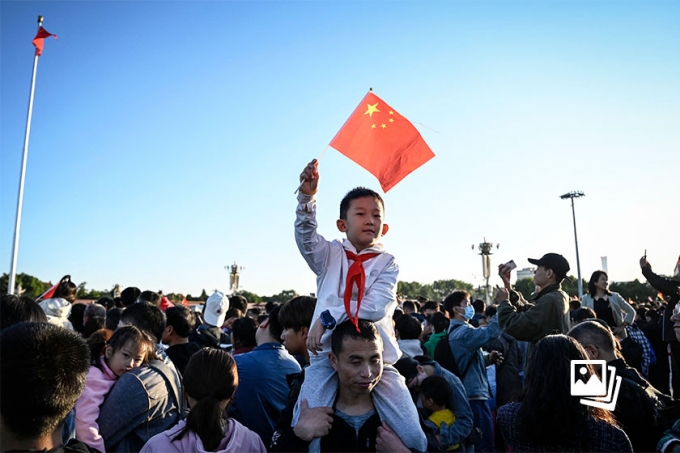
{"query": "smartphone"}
[(510, 265)]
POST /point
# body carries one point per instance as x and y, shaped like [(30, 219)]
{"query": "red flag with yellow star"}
[(382, 141)]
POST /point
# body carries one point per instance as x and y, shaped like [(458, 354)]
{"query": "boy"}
[(356, 278), (180, 322), (435, 394)]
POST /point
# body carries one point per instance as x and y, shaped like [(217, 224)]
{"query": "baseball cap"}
[(216, 309), (554, 261)]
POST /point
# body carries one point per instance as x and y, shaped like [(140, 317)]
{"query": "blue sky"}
[(168, 136)]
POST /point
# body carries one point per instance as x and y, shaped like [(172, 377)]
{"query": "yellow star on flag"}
[(392, 121), (372, 126), (391, 112), (384, 126), (371, 109)]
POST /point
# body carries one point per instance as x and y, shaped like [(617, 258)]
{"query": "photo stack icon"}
[(600, 389)]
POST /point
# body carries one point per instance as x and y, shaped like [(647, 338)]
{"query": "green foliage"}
[(32, 286), (633, 290), (283, 296), (251, 297), (84, 293), (437, 290)]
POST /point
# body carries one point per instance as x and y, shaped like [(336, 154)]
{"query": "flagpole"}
[(24, 159)]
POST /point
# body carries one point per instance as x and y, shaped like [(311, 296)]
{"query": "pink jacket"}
[(97, 386), (237, 439)]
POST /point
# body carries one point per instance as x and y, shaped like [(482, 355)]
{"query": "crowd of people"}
[(353, 369)]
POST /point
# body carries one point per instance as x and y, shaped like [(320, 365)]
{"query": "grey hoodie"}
[(57, 311)]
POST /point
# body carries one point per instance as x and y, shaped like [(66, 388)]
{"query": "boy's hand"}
[(310, 178), (314, 337)]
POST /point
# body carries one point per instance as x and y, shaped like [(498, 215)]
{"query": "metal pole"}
[(17, 226), (578, 262)]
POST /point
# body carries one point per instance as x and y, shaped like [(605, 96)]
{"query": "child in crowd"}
[(128, 348), (356, 279), (435, 394)]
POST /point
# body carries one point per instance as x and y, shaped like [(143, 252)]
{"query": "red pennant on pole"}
[(39, 40), (382, 141), (48, 294)]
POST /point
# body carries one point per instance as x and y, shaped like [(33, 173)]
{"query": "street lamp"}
[(573, 195), (485, 251)]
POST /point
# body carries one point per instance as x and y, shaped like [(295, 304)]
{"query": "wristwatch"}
[(327, 320)]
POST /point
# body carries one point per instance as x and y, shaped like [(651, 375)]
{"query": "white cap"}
[(216, 309)]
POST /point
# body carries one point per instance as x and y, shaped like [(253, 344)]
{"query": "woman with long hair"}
[(608, 306), (547, 417), (210, 382)]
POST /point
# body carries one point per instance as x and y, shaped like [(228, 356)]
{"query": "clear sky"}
[(168, 136)]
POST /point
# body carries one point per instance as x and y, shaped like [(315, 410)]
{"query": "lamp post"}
[(485, 251), (572, 195)]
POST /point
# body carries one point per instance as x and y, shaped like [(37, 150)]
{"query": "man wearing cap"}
[(549, 314), (210, 332)]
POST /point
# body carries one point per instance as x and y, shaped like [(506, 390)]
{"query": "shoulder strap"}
[(169, 376)]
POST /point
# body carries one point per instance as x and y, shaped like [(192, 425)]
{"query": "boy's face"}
[(295, 341), (364, 224)]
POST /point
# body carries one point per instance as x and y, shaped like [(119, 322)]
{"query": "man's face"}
[(295, 342), (675, 317), (359, 365), (541, 276), (364, 224)]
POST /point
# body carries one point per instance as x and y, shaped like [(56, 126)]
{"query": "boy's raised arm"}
[(312, 246)]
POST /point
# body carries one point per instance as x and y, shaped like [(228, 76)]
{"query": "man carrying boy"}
[(356, 278)]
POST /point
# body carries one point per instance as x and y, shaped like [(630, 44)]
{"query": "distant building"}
[(527, 272)]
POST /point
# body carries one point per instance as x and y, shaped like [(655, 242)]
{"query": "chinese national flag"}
[(382, 141), (39, 40), (48, 294)]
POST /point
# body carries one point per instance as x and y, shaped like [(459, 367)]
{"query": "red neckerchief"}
[(356, 274)]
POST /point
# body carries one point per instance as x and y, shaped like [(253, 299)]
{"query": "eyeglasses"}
[(676, 310)]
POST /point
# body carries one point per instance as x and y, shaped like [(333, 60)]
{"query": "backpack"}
[(444, 356)]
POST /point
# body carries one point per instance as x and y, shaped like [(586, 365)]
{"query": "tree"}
[(31, 285), (633, 290), (438, 290), (251, 297)]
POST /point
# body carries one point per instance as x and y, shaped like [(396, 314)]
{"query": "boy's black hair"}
[(584, 313), (453, 300), (129, 295), (297, 313), (182, 320), (233, 313), (113, 318), (269, 306), (151, 297), (255, 311), (479, 305), (367, 331), (439, 322), (275, 327), (238, 301), (106, 302), (490, 311), (409, 304), (358, 192), (243, 331), (438, 389), (43, 371), (409, 328), (147, 317), (430, 305), (14, 309)]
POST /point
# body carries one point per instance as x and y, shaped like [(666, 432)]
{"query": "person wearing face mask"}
[(466, 343)]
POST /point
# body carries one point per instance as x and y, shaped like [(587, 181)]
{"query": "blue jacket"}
[(263, 390), (466, 345), (459, 406)]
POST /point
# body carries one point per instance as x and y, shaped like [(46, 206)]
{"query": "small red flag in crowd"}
[(382, 141), (49, 293), (39, 40)]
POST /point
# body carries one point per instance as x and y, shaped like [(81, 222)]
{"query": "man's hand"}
[(504, 273), (310, 178), (313, 422), (495, 358), (388, 441), (644, 263), (314, 337), (501, 294)]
